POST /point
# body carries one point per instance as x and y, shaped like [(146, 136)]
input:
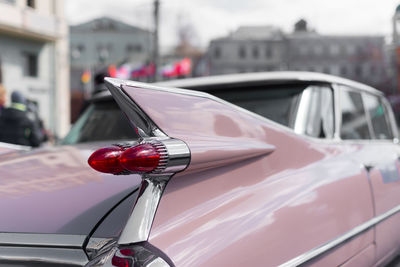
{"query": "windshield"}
[(101, 121)]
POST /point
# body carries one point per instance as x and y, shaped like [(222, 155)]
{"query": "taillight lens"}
[(121, 262), (141, 158), (106, 160)]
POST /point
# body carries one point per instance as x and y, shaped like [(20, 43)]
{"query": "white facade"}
[(34, 57)]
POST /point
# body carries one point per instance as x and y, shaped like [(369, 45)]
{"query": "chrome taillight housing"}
[(137, 255), (156, 160), (149, 156)]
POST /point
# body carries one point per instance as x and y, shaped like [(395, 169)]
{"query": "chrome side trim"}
[(98, 246), (16, 147), (27, 256), (158, 262), (315, 252), (41, 240), (138, 227)]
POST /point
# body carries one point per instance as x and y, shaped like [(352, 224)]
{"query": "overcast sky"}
[(216, 18)]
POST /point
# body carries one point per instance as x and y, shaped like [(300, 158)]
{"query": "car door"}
[(373, 130)]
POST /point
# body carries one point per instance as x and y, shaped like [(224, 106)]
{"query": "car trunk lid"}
[(54, 191)]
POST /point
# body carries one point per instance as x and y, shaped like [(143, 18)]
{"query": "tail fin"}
[(216, 131)]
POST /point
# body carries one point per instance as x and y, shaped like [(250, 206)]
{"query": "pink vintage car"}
[(266, 169)]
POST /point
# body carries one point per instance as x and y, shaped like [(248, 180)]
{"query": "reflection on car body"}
[(261, 169)]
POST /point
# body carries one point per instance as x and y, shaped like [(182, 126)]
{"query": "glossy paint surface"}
[(257, 211), (55, 191), (385, 181), (209, 128)]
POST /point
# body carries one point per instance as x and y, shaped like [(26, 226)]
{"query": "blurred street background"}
[(56, 53)]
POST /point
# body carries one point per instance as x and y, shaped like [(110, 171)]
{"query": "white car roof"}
[(281, 76), (266, 76)]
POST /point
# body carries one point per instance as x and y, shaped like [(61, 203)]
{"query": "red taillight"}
[(121, 262), (106, 160), (141, 158), (127, 252), (138, 159)]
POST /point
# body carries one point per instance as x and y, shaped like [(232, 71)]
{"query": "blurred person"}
[(33, 114), (3, 94), (15, 125)]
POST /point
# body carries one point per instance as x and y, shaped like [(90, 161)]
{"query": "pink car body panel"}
[(245, 211), (43, 191)]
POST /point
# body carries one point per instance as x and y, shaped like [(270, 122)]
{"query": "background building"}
[(103, 41), (34, 57), (254, 49), (359, 58), (98, 44), (248, 49)]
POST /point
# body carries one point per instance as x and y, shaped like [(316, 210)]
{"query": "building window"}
[(255, 52), (303, 50), (75, 53), (242, 52), (217, 52), (130, 48), (268, 52), (80, 47), (334, 50), (350, 49), (357, 71), (30, 3), (12, 2), (31, 64), (343, 71), (318, 50)]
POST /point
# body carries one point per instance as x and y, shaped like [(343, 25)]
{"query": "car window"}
[(315, 116), (379, 117), (354, 119), (278, 103), (101, 121), (308, 109)]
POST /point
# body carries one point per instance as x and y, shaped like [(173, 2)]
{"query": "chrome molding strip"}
[(138, 227), (28, 256), (97, 246), (312, 254), (16, 147), (41, 240)]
